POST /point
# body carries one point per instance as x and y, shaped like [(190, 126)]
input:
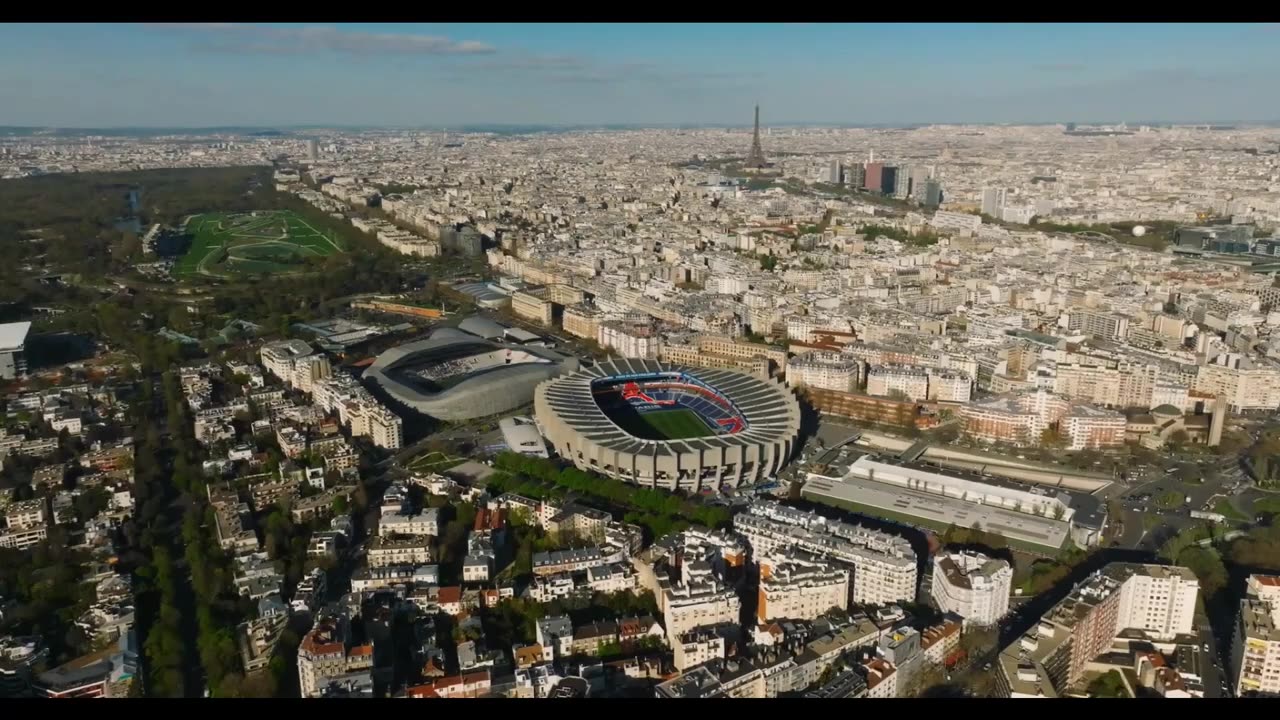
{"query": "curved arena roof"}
[(485, 392), (581, 431)]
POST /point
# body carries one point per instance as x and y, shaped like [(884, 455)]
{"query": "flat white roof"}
[(1032, 529), (13, 335)]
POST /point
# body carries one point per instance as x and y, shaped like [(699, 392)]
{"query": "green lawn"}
[(434, 462), (678, 424), (1224, 508), (1268, 505), (228, 244)]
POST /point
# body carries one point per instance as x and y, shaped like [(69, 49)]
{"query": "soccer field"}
[(678, 424), (226, 245)]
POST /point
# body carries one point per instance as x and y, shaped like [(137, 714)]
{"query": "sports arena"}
[(456, 376), (672, 427)]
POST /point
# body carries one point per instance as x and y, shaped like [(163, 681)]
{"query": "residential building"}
[(972, 585), (796, 585)]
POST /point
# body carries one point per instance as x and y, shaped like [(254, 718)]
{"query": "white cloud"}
[(272, 40)]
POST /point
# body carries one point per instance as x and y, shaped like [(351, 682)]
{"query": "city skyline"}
[(634, 75)]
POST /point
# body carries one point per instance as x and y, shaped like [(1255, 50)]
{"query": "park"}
[(227, 245)]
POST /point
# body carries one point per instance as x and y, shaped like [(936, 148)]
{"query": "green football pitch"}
[(226, 245), (678, 424)]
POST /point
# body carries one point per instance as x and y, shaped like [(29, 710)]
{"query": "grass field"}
[(226, 245), (676, 424)]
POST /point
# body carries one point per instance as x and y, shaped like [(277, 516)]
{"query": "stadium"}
[(455, 376), (671, 427)]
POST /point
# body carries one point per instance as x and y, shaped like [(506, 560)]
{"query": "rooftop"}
[(13, 335)]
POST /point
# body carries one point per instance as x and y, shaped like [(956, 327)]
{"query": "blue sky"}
[(210, 74)]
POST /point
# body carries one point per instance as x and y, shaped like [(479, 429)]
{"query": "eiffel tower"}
[(756, 159)]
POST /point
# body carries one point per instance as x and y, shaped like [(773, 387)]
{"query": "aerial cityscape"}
[(668, 377)]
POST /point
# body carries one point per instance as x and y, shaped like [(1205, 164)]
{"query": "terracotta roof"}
[(366, 649), (1270, 580), (450, 594)]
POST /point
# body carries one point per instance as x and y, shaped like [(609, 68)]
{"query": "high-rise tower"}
[(756, 160)]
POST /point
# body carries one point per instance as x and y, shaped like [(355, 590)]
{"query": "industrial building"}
[(13, 358)]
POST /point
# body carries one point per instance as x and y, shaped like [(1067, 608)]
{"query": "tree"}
[(1051, 438), (340, 505)]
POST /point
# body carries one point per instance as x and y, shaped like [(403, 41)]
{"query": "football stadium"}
[(671, 427), (455, 376)]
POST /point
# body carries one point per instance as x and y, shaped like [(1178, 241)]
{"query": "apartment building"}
[(1097, 384), (532, 304), (1070, 636), (1020, 419), (884, 565), (1255, 649), (307, 370), (700, 645), (881, 678), (910, 382), (25, 514), (630, 340), (940, 644), (426, 522), (949, 387), (825, 370), (957, 222), (722, 352), (279, 357), (692, 605), (1090, 428), (326, 652), (972, 585), (1096, 323), (384, 551), (800, 586), (1244, 385), (386, 429), (581, 321)]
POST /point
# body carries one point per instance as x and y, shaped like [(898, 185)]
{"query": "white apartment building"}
[(1255, 652), (24, 514), (972, 585), (911, 381), (956, 222), (798, 586), (426, 522), (825, 370), (696, 647), (1244, 386), (950, 387), (1255, 649), (1161, 601), (279, 357), (386, 429), (307, 370), (686, 607), (630, 340), (23, 538), (884, 565), (384, 551)]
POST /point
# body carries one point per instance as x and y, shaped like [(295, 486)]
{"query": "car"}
[(1205, 647), (986, 667)]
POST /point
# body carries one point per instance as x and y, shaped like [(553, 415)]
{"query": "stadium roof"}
[(13, 335), (769, 409), (482, 327)]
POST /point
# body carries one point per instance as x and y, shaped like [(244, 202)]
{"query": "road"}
[(1212, 662), (1147, 525)]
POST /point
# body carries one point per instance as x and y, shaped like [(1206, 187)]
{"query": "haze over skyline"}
[(221, 74)]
